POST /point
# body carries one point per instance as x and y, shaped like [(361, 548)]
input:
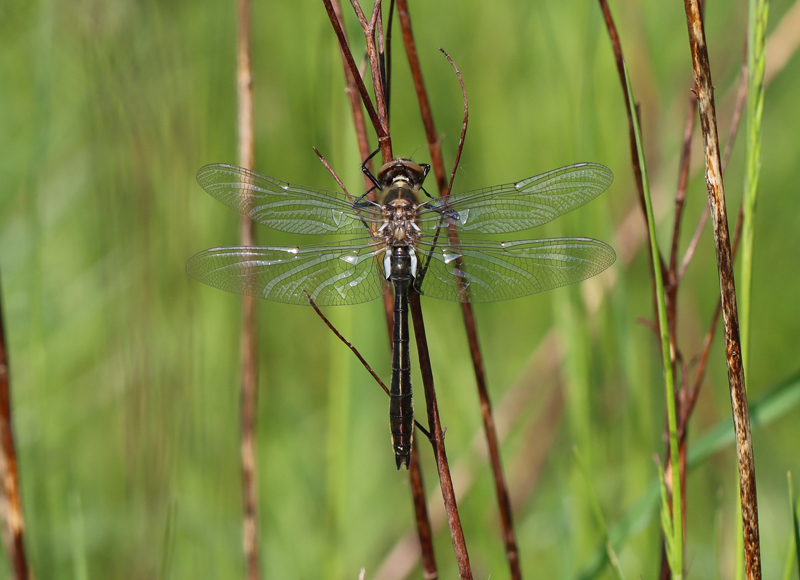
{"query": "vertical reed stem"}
[(730, 317), (249, 356)]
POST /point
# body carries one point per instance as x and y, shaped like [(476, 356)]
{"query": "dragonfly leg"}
[(365, 170), (361, 202), (425, 191)]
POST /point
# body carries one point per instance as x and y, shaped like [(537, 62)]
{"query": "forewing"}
[(519, 206), (485, 271), (332, 274), (285, 206)]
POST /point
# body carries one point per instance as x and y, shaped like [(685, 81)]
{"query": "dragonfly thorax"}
[(400, 222)]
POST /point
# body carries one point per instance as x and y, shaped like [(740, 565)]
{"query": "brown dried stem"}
[(683, 178), (736, 379), (437, 441), (14, 523), (347, 343), (421, 515), (381, 121), (354, 78), (445, 186), (537, 387), (434, 424), (333, 173), (249, 355), (741, 99), (353, 95), (464, 124), (338, 28), (489, 425), (432, 136), (690, 398)]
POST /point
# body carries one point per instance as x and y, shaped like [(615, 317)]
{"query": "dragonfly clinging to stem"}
[(405, 240)]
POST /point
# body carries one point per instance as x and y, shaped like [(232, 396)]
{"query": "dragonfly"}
[(407, 240)]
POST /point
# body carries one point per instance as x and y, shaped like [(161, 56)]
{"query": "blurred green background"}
[(125, 371)]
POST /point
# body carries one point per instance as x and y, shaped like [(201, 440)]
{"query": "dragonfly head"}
[(403, 173)]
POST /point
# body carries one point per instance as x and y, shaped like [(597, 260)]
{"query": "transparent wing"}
[(285, 206), (519, 206), (333, 274), (486, 271)]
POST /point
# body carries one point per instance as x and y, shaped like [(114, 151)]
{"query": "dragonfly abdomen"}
[(401, 404)]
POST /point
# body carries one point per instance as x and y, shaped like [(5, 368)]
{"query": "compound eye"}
[(384, 168)]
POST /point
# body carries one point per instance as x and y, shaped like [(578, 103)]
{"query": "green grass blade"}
[(756, 50), (80, 569), (611, 554)]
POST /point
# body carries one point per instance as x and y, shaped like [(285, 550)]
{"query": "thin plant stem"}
[(631, 108), (381, 124), (347, 343), (424, 529), (672, 286), (338, 28), (11, 513), (525, 393), (464, 124), (489, 426), (741, 97), (733, 349), (353, 77), (381, 120), (353, 95), (487, 416), (665, 299), (437, 441), (701, 367), (683, 178), (676, 525), (426, 114), (249, 354), (357, 354), (434, 424), (658, 269), (422, 517)]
